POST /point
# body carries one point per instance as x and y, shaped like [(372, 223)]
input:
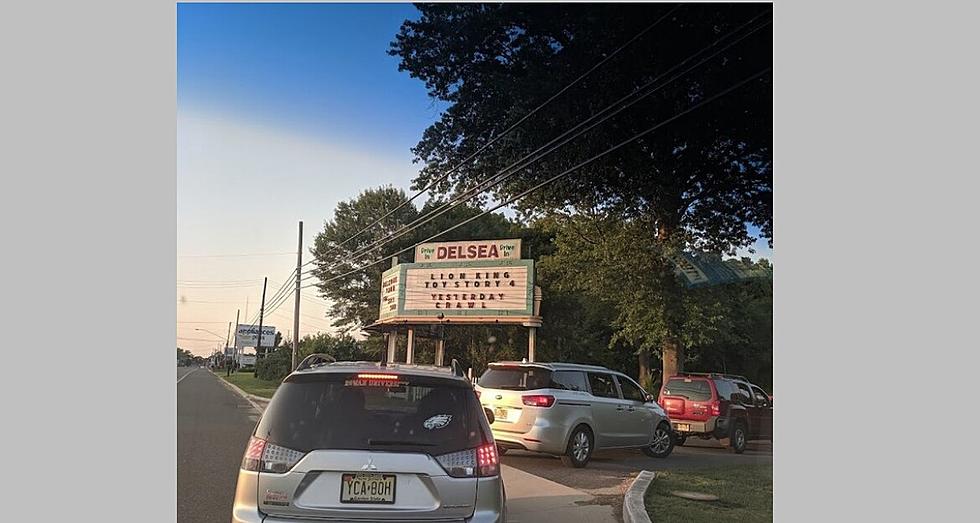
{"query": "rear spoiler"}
[(315, 359)]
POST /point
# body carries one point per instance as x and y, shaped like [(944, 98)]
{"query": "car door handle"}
[(620, 407), (631, 409)]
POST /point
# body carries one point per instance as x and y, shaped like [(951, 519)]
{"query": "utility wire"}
[(515, 167), (508, 130), (566, 172)]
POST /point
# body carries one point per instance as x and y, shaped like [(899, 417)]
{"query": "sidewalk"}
[(533, 499), (530, 499)]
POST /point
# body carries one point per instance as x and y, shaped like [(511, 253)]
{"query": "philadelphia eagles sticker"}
[(438, 421)]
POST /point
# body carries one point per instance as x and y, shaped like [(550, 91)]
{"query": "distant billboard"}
[(477, 250), (248, 336)]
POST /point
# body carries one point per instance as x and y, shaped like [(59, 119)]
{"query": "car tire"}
[(501, 450), (578, 452), (739, 437), (663, 442)]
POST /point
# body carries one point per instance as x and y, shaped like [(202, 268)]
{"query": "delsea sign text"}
[(469, 250), (389, 293)]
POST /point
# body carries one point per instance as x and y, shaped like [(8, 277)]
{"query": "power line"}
[(235, 255), (508, 130), (564, 173), (522, 163)]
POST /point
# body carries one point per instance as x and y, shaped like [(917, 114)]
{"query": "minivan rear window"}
[(515, 378), (348, 411), (692, 389)]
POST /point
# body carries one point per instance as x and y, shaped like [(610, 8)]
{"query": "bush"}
[(275, 366)]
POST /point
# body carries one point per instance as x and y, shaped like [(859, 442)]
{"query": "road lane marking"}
[(188, 374)]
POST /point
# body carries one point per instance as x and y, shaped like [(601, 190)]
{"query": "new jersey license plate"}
[(367, 488), (682, 427)]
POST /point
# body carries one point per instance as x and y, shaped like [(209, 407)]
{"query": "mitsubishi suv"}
[(365, 441), (571, 410)]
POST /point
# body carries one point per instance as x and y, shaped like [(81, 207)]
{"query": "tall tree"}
[(697, 183)]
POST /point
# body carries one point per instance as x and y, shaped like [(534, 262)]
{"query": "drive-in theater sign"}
[(459, 283)]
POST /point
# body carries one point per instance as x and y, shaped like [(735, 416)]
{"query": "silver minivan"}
[(362, 441), (571, 410)]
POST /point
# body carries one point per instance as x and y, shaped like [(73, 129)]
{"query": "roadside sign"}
[(479, 250), (248, 336)]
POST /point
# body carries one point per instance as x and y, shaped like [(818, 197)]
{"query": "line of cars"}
[(347, 441)]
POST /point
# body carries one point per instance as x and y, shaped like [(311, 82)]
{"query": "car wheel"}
[(501, 450), (663, 442), (579, 450), (739, 438)]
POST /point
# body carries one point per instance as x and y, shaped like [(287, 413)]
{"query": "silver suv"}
[(571, 410), (356, 441)]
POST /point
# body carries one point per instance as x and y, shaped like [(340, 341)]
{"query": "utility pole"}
[(235, 351), (299, 272), (258, 343)]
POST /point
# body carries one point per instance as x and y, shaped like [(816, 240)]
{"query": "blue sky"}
[(283, 110)]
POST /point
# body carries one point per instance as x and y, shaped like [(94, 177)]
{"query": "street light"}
[(211, 333)]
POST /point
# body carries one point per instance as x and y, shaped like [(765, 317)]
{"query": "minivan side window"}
[(631, 391), (602, 385), (569, 380)]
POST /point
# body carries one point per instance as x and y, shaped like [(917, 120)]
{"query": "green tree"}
[(697, 183)]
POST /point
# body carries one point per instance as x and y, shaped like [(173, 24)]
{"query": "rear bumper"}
[(543, 436), (490, 503), (716, 427)]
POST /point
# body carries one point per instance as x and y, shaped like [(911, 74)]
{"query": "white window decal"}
[(438, 421)]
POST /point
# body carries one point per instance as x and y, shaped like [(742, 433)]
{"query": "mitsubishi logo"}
[(370, 465)]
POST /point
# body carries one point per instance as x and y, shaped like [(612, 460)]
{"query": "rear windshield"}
[(345, 411), (515, 378), (692, 389)]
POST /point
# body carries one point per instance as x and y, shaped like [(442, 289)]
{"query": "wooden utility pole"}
[(299, 272), (258, 341)]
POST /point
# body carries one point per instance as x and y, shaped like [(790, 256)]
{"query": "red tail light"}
[(262, 456), (377, 376), (715, 408), (538, 400), (487, 460), (481, 461)]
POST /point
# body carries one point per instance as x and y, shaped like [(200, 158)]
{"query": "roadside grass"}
[(250, 384), (745, 493)]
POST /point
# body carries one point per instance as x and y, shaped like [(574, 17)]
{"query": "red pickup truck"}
[(720, 406)]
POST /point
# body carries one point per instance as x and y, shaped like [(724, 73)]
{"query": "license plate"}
[(367, 488), (500, 413), (682, 427)]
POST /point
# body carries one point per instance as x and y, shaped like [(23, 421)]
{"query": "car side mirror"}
[(648, 398), (490, 416)]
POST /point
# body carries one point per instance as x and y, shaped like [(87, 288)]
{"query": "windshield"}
[(344, 411), (515, 378)]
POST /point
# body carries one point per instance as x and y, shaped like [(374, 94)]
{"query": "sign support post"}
[(410, 348)]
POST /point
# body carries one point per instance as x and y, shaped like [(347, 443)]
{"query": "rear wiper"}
[(399, 442)]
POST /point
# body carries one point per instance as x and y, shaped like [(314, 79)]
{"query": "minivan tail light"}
[(482, 461), (538, 400), (262, 456)]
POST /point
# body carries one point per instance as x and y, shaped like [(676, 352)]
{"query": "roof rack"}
[(716, 374), (315, 359)]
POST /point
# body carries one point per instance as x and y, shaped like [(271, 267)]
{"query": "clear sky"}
[(283, 110)]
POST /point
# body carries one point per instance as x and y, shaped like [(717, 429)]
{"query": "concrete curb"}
[(258, 402), (634, 509)]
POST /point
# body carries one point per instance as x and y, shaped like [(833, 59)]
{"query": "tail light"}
[(477, 394), (262, 456), (479, 462), (538, 400), (715, 408)]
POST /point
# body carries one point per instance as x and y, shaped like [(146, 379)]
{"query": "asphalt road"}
[(608, 470), (213, 425)]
